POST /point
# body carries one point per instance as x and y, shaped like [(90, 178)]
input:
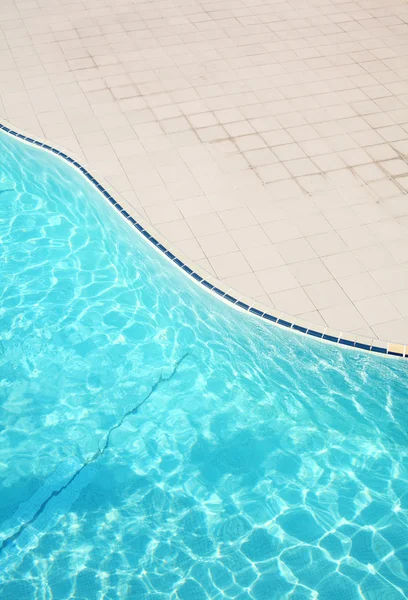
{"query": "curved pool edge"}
[(201, 277)]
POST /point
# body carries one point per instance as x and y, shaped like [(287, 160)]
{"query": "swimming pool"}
[(156, 443)]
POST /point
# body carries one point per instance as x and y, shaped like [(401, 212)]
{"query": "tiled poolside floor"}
[(267, 140)]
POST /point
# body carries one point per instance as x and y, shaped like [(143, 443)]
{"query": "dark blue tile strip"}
[(314, 333), (347, 342), (379, 350), (362, 346), (187, 269), (330, 338), (242, 305), (284, 323), (299, 328)]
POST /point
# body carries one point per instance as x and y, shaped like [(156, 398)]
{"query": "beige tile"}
[(263, 257), (391, 279), (229, 265), (328, 162), (205, 224), (264, 211), (277, 279), (344, 317), (326, 244), (282, 230), (175, 231), (239, 128), (250, 142), (395, 331), (217, 243), (154, 195), (397, 207), (343, 264), (236, 218), (249, 237), (369, 172), (314, 183), (358, 237), (265, 301), (313, 317), (388, 231), (195, 206), (326, 294), (360, 286), (366, 332), (292, 302), (191, 249), (310, 271), (247, 285), (162, 213), (378, 309), (395, 166), (315, 148), (400, 300), (301, 166), (293, 251), (398, 249), (288, 152), (384, 188), (205, 264), (382, 152), (312, 224), (371, 213), (374, 257), (272, 173), (261, 157), (342, 218), (203, 120), (282, 190)]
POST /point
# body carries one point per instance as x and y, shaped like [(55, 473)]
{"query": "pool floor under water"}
[(156, 443)]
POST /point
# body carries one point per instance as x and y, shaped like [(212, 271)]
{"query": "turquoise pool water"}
[(157, 443)]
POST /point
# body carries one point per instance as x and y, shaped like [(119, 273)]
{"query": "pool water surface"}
[(157, 443)]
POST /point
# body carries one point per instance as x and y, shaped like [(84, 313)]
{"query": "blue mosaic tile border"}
[(251, 309)]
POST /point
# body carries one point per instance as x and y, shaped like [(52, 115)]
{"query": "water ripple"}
[(270, 466)]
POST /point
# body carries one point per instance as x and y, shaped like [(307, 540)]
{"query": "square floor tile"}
[(301, 166), (391, 279), (378, 309), (400, 300), (358, 237), (217, 243), (360, 286), (205, 224), (229, 265), (292, 302), (344, 317), (343, 264), (374, 257), (326, 244), (263, 257), (310, 271), (326, 294), (247, 285), (282, 230), (249, 237), (277, 279), (393, 331), (296, 250)]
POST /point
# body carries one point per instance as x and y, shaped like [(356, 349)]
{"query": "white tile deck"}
[(267, 140)]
